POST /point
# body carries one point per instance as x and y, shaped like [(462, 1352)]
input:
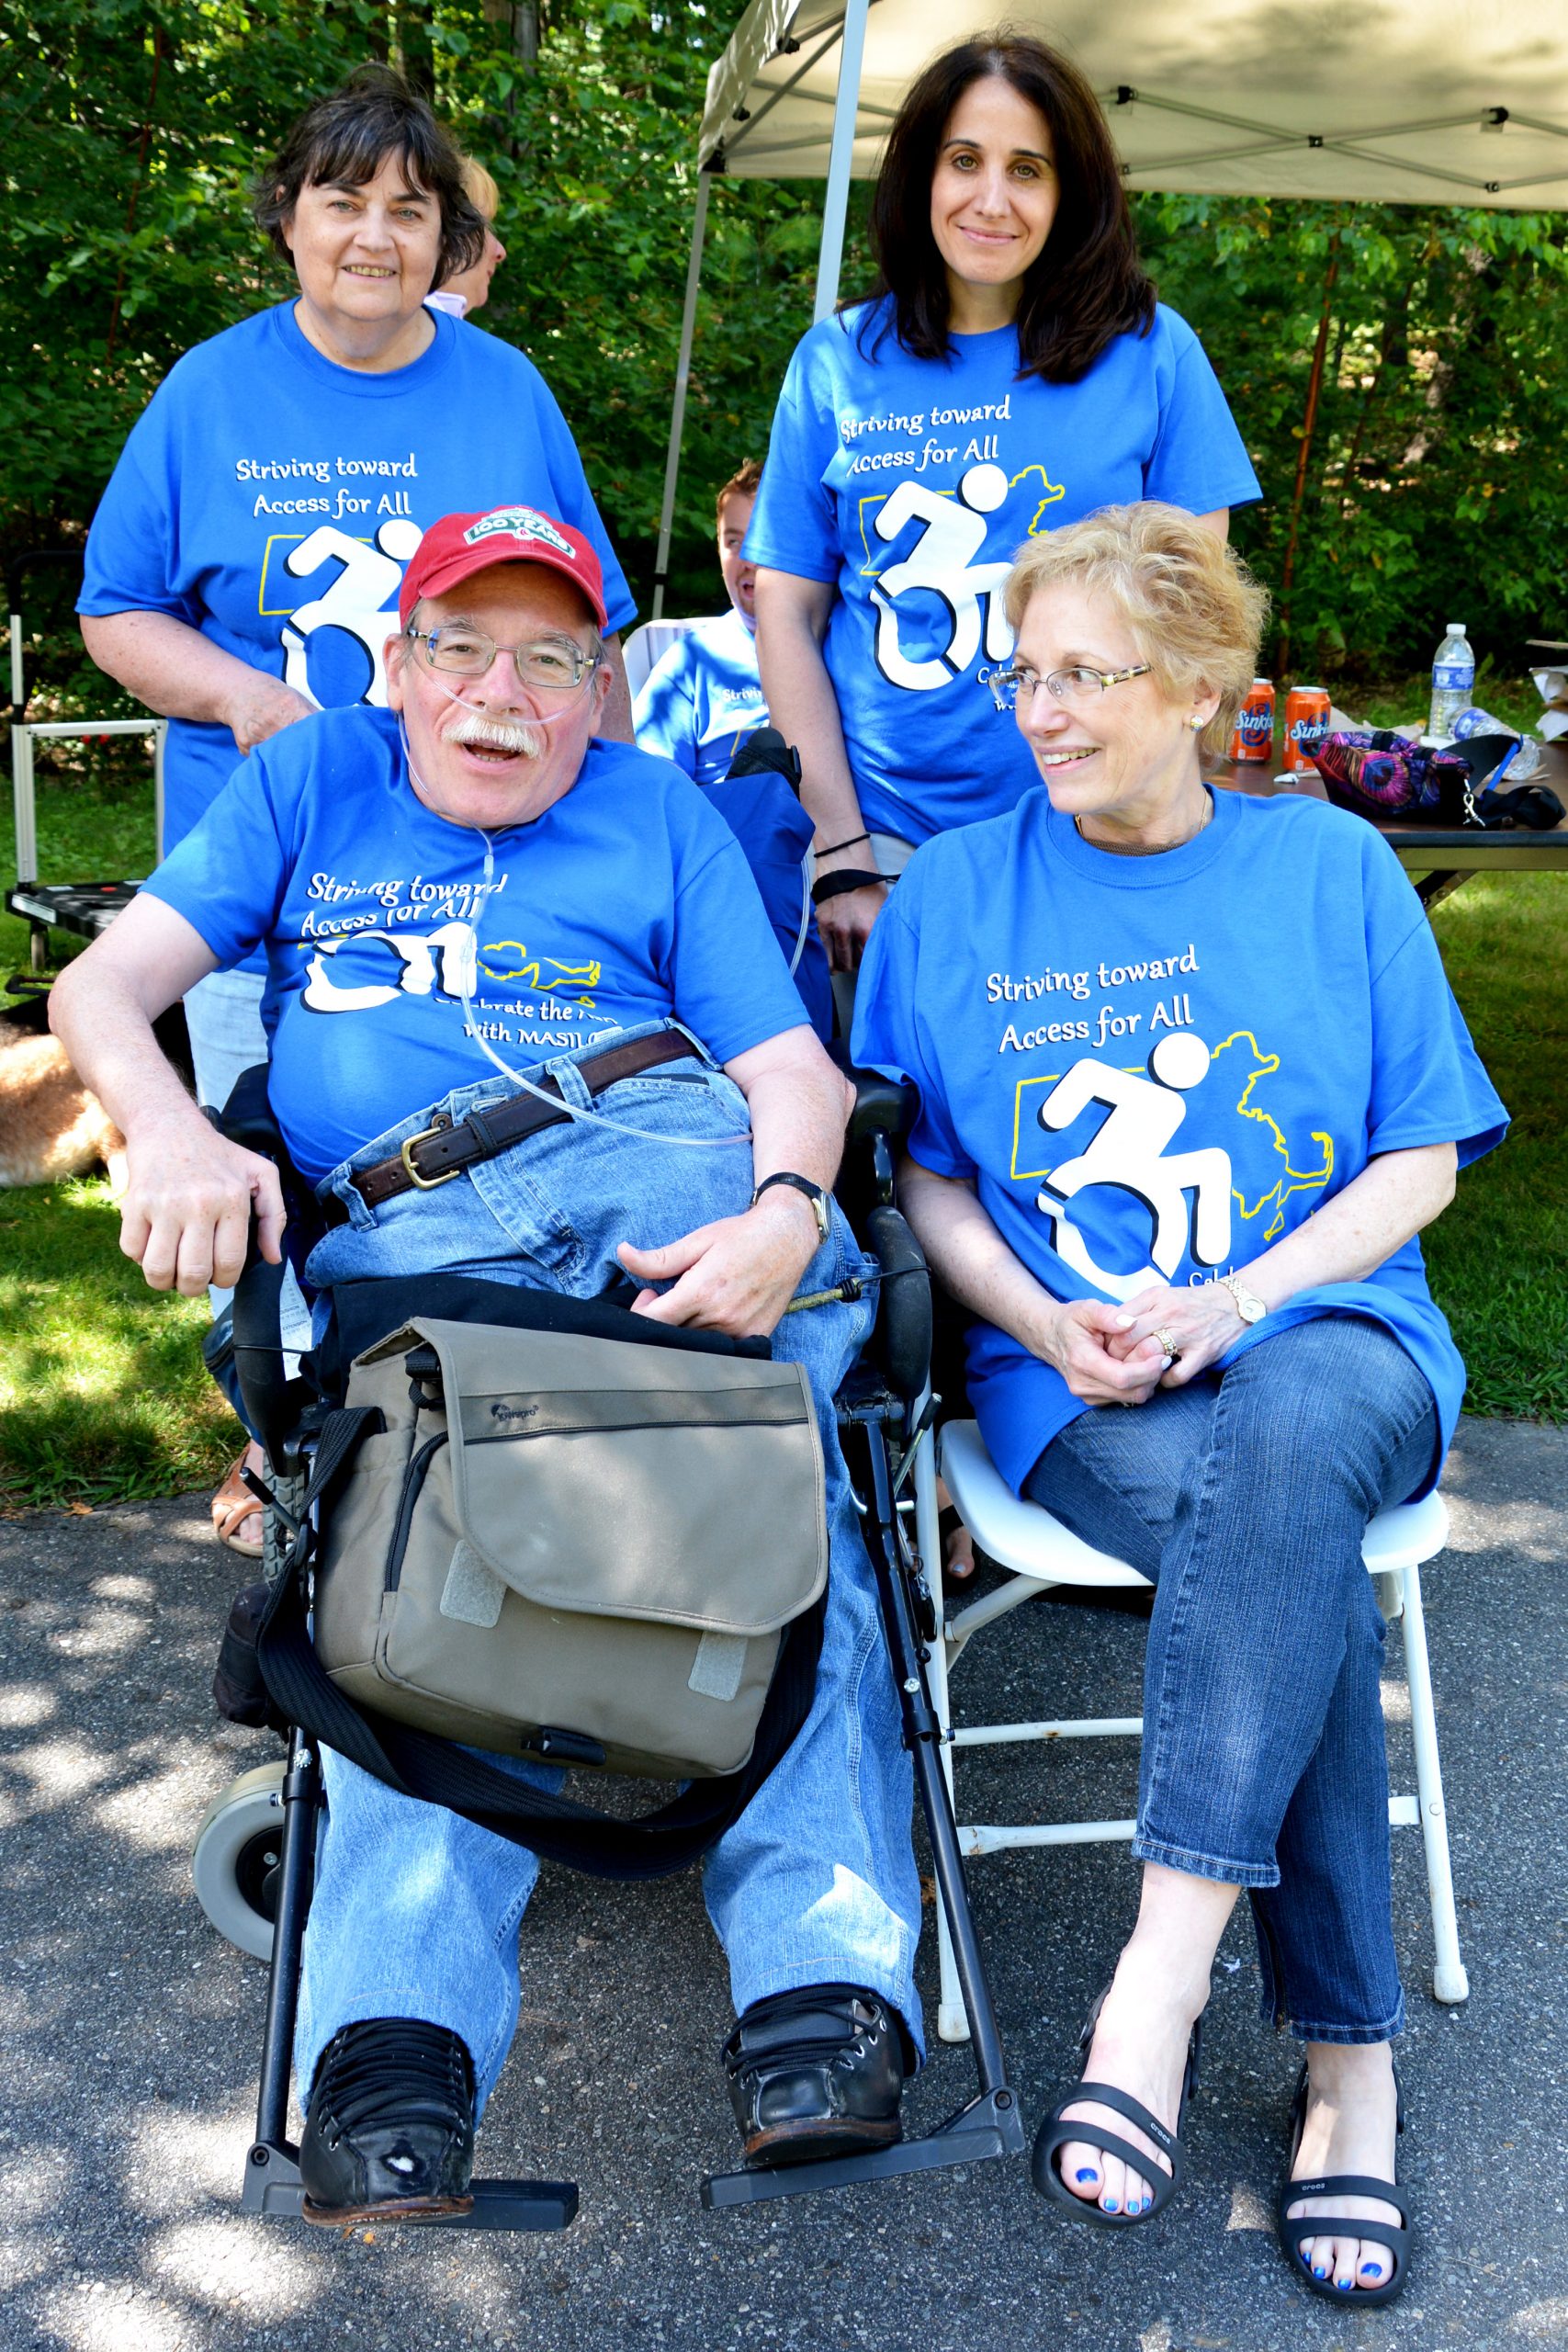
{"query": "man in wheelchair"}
[(455, 894)]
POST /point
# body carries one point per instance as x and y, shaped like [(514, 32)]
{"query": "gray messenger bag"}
[(585, 1550)]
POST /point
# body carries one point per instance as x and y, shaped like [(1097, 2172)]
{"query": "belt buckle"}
[(426, 1183)]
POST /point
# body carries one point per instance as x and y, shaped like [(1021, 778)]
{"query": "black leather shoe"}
[(389, 2129), (816, 2072)]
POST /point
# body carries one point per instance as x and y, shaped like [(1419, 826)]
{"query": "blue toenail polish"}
[(1087, 2172), (1317, 2272), (1372, 2269), (1110, 2205)]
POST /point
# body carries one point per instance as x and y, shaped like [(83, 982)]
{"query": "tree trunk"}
[(135, 190), (1309, 423)]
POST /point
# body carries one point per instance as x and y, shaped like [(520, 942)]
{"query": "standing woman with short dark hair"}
[(1010, 371), (243, 565)]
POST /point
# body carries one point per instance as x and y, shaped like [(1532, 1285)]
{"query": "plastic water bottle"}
[(1520, 764), (1453, 682)]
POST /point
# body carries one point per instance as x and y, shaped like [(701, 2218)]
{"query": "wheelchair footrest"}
[(272, 2190), (990, 2125)]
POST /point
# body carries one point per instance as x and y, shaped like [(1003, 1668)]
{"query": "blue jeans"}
[(416, 1911), (1245, 1499)]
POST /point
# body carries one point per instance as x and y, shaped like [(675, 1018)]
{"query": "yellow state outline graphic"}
[(579, 975), (872, 569), (1301, 1179)]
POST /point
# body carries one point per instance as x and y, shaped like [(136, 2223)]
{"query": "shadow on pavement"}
[(130, 2032)]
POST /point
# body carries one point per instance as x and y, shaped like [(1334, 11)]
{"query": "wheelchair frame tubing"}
[(923, 1732), (990, 2124), (296, 1872)]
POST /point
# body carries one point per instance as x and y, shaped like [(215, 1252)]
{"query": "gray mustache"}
[(498, 734)]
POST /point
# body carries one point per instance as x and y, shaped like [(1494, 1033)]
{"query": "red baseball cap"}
[(459, 545)]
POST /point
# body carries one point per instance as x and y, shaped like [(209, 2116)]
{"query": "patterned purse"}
[(1380, 774)]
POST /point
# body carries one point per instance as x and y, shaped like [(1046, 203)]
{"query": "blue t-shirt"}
[(1151, 1068), (628, 900), (272, 500), (702, 698), (698, 706), (911, 483)]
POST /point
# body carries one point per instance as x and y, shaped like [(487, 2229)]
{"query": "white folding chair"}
[(1039, 1554), (648, 645)]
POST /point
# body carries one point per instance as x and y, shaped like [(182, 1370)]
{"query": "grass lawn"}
[(103, 1394), (102, 1390)]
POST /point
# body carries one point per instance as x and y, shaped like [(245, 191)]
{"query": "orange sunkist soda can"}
[(1252, 737), (1306, 724)]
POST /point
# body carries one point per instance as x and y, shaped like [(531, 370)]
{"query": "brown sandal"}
[(231, 1505)]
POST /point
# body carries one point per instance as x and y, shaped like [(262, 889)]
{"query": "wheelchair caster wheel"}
[(234, 1864)]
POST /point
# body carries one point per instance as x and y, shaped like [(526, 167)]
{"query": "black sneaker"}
[(816, 2072), (390, 2130)]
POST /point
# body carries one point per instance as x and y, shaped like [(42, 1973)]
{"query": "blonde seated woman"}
[(1191, 1081)]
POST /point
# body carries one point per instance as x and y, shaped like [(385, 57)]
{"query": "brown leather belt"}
[(443, 1150)]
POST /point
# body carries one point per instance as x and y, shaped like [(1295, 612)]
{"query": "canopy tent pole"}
[(678, 414), (840, 155)]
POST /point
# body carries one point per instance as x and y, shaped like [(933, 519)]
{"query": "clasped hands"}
[(1110, 1355)]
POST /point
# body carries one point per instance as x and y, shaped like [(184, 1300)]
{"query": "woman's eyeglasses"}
[(547, 666), (1010, 687)]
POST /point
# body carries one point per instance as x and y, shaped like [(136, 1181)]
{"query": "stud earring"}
[(1195, 724)]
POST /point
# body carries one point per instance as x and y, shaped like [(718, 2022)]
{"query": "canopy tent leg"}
[(840, 155), (678, 414)]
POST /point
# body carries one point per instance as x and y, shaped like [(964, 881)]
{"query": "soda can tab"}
[(1252, 737), (1306, 724)]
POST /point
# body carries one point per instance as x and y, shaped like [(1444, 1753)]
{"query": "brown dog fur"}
[(49, 1125)]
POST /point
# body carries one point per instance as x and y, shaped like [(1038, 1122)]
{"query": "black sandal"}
[(1055, 2134), (1294, 2227)]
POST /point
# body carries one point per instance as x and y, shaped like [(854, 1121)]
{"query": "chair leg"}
[(1450, 1982), (952, 2023)]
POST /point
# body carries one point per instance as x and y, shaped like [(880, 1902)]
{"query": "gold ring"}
[(1172, 1352)]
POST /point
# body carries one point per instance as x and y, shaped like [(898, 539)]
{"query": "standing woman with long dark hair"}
[(1010, 371)]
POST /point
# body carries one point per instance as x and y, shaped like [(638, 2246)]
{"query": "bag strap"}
[(419, 1764), (1534, 805)]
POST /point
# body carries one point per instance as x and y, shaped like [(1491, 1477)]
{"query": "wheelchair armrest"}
[(902, 1339), (883, 1106), (273, 1405), (247, 1117)]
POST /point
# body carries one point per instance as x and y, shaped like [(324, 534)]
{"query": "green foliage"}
[(1437, 479), (1437, 474)]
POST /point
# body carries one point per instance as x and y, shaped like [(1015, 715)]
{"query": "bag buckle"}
[(426, 1183)]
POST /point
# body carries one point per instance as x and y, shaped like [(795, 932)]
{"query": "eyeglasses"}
[(1009, 688), (550, 665)]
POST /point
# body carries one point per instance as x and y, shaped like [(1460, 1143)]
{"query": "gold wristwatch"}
[(1249, 1305)]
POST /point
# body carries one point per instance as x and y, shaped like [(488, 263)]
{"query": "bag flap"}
[(605, 1478)]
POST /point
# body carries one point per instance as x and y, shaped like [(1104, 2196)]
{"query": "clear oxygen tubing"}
[(469, 964)]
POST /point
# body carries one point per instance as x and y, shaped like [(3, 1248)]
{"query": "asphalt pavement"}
[(130, 2032)]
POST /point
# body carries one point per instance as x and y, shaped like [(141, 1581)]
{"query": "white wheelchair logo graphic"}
[(1129, 1151), (942, 561), (441, 961), (362, 600)]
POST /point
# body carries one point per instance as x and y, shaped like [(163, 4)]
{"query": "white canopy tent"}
[(1401, 101)]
